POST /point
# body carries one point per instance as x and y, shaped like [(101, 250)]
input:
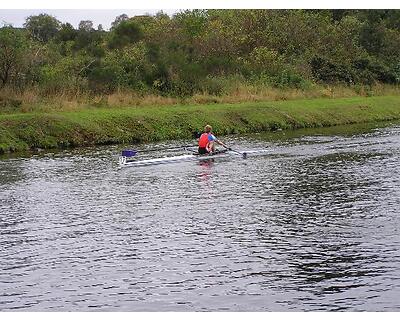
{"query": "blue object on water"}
[(128, 153)]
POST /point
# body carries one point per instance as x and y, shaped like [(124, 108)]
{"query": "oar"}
[(243, 154)]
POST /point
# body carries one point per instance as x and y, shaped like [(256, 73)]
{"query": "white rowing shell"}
[(123, 161)]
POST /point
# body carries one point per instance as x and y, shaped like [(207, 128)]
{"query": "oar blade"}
[(129, 153)]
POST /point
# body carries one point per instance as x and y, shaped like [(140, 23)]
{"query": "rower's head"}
[(207, 128)]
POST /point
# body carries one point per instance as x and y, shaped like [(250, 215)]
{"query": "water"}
[(313, 225)]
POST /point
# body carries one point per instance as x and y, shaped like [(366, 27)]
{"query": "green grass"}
[(24, 131)]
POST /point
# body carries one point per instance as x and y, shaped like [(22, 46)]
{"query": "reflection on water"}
[(312, 225)]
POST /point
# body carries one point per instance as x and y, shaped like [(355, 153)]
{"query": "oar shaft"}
[(243, 154)]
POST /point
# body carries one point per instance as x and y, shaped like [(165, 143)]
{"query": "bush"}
[(287, 78), (104, 78), (213, 86), (264, 60), (369, 70), (290, 79), (9, 104), (396, 72), (66, 74), (125, 33), (329, 72)]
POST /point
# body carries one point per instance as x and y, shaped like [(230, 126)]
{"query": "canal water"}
[(312, 225)]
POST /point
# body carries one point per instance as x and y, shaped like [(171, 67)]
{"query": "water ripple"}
[(313, 225)]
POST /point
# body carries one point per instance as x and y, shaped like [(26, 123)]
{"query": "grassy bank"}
[(22, 131)]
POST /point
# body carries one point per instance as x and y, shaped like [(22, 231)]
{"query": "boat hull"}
[(125, 162)]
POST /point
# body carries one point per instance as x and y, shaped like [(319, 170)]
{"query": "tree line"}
[(200, 50)]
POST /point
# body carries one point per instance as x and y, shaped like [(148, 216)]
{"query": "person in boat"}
[(207, 141)]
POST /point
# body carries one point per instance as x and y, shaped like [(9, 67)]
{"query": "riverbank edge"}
[(103, 126)]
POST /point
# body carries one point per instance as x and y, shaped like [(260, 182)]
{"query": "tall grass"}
[(235, 91)]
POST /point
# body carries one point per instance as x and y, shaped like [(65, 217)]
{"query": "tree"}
[(118, 20), (42, 27), (66, 33), (12, 52), (89, 39), (203, 50), (66, 73), (86, 25), (193, 22), (125, 33)]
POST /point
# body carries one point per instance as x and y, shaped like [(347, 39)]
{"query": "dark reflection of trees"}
[(11, 172), (316, 238), (12, 212)]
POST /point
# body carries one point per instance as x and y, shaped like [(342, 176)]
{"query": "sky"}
[(104, 17)]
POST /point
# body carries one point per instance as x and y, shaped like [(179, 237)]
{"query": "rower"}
[(207, 141)]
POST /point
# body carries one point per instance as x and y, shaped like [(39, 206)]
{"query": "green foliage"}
[(214, 85), (66, 33), (263, 60), (330, 72), (118, 20), (192, 22), (369, 70), (396, 72), (42, 27), (192, 51), (371, 37), (66, 73), (9, 104), (89, 40), (86, 25), (290, 79), (13, 50), (124, 33), (135, 65)]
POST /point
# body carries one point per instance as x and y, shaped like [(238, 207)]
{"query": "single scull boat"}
[(126, 161)]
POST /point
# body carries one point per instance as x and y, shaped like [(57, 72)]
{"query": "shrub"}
[(326, 71)]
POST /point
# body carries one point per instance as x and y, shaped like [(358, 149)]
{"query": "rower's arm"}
[(222, 144)]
